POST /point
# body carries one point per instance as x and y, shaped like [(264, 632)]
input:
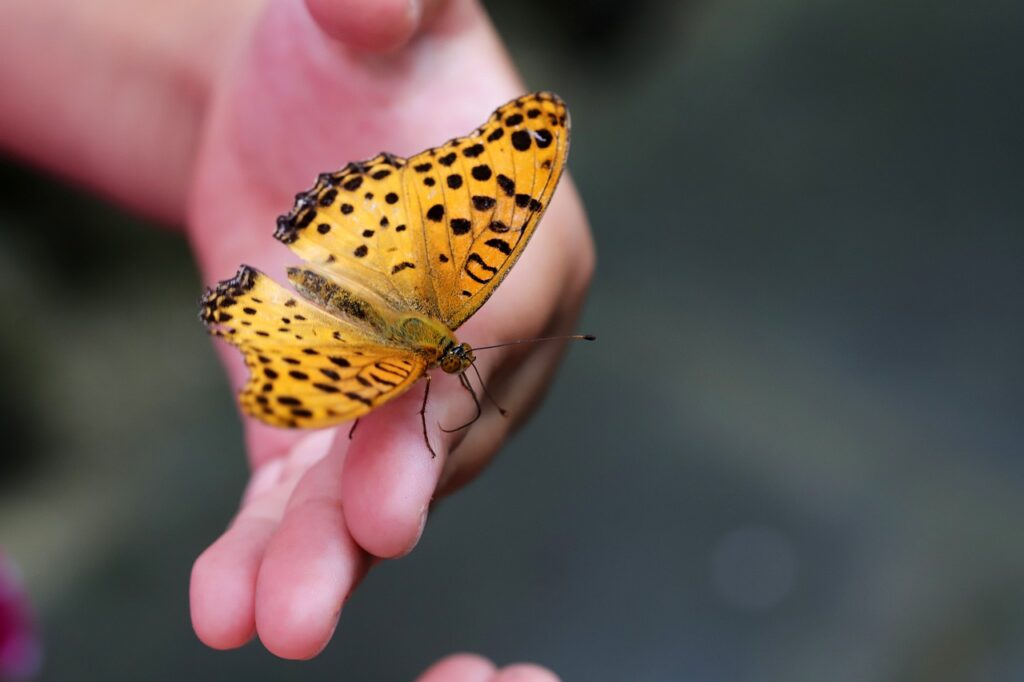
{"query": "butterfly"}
[(397, 254)]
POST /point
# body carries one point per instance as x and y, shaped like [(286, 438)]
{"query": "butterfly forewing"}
[(355, 222), (481, 197)]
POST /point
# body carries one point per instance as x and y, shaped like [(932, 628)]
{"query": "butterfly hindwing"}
[(306, 368), (318, 392)]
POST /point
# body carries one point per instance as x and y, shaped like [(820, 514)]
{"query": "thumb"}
[(372, 25)]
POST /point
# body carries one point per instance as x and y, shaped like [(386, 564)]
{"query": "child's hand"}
[(309, 92)]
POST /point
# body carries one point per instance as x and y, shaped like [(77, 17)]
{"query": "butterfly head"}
[(456, 358)]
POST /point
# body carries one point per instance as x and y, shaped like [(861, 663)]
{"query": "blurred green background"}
[(795, 453)]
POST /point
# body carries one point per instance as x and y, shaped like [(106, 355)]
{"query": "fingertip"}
[(222, 585), (310, 567), (308, 571), (368, 25), (389, 481), (459, 668), (524, 672)]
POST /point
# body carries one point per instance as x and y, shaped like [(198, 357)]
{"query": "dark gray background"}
[(793, 454)]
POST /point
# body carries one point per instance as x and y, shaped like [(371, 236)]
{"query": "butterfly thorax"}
[(436, 342), (417, 332)]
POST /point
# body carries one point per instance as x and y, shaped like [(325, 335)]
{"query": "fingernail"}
[(419, 532)]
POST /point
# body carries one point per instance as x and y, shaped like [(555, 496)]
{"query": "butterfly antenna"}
[(502, 410), (572, 337), (476, 401)]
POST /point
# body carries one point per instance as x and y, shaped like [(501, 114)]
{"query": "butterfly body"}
[(397, 254), (415, 332)]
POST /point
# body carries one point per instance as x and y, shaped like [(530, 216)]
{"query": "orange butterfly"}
[(398, 254)]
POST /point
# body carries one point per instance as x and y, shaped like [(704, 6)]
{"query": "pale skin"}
[(213, 115)]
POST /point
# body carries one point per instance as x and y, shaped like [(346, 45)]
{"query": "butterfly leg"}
[(353, 429), (423, 416), (479, 410), (501, 410)]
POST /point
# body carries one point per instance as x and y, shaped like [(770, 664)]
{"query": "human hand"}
[(319, 84)]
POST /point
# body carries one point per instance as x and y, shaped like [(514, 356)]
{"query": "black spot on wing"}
[(500, 245), (482, 203), (507, 185), (521, 140), (351, 395), (328, 197), (225, 294), (526, 201), (382, 381), (478, 269), (404, 265)]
